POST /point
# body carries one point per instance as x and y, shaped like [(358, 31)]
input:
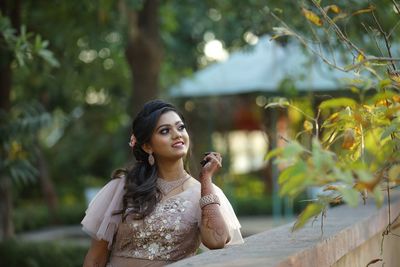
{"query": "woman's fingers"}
[(216, 157)]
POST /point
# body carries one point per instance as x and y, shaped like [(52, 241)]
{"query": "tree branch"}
[(336, 28), (369, 59), (327, 61), (305, 43), (394, 27), (396, 6), (384, 37)]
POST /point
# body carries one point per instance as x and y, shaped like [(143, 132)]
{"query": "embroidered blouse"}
[(170, 233)]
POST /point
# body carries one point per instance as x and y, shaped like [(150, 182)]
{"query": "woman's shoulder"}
[(191, 184)]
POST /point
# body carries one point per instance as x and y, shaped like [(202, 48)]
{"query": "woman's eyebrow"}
[(162, 125)]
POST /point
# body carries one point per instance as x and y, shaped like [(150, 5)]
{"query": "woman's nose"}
[(176, 134)]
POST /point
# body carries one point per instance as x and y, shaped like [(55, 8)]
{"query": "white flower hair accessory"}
[(132, 142)]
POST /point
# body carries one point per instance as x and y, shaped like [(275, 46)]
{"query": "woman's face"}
[(170, 140)]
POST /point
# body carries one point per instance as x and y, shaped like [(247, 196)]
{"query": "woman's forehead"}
[(169, 117)]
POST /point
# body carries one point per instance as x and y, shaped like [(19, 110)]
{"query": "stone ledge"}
[(345, 229)]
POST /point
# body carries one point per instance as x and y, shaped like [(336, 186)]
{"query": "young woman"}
[(156, 213)]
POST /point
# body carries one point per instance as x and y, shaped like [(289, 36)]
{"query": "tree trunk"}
[(47, 186), (6, 225), (7, 229), (12, 10), (143, 52), (6, 207)]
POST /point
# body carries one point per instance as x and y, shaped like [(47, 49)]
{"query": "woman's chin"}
[(175, 156), (180, 155)]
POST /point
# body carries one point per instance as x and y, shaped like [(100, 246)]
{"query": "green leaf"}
[(273, 153), (365, 176), (322, 159), (312, 210), (381, 96), (298, 168), (338, 102), (394, 173), (45, 43), (47, 55), (384, 83), (280, 102), (20, 58), (389, 130), (293, 149), (294, 185), (308, 126), (344, 176), (329, 137), (38, 42), (350, 195)]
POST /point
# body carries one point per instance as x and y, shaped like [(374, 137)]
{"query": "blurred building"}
[(225, 102)]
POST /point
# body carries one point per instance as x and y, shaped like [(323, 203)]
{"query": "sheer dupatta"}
[(229, 216), (99, 221)]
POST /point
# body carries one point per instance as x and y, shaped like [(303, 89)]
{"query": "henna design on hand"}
[(214, 229), (212, 220)]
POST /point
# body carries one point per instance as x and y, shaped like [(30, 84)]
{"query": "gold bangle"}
[(209, 199)]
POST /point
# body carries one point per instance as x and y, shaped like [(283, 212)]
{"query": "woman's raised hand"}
[(211, 163)]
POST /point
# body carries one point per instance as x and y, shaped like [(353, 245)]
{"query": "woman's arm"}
[(213, 229), (97, 255)]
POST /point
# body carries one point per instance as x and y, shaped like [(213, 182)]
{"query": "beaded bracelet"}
[(209, 199)]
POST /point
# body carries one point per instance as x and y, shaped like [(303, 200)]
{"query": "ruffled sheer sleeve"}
[(230, 218), (99, 221)]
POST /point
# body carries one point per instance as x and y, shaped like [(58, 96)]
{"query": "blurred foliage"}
[(84, 105), (353, 147), (31, 217), (356, 155), (353, 17), (247, 194), (252, 206), (262, 205), (18, 131), (87, 97), (25, 45), (20, 125), (241, 185), (43, 254)]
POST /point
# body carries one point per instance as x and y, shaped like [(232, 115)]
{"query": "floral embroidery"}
[(168, 233)]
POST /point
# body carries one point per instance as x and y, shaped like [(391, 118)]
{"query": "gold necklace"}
[(167, 186)]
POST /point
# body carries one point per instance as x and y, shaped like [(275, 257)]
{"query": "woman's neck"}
[(170, 171)]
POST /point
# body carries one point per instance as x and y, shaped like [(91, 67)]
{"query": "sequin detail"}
[(168, 233)]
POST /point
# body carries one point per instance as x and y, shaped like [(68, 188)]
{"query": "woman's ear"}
[(147, 148)]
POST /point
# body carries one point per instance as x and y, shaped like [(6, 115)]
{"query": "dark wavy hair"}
[(141, 192)]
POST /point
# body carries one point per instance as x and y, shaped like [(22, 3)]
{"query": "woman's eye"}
[(182, 127), (164, 131)]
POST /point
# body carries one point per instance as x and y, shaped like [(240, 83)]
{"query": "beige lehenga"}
[(170, 233)]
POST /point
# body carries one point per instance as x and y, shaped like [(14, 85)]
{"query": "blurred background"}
[(74, 73)]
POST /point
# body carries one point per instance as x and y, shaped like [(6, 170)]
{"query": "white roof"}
[(262, 69)]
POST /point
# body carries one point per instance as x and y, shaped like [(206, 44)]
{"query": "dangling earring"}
[(151, 159)]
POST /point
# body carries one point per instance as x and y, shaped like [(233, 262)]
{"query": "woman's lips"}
[(178, 144)]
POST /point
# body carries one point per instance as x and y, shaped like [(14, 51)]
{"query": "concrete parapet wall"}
[(351, 237)]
